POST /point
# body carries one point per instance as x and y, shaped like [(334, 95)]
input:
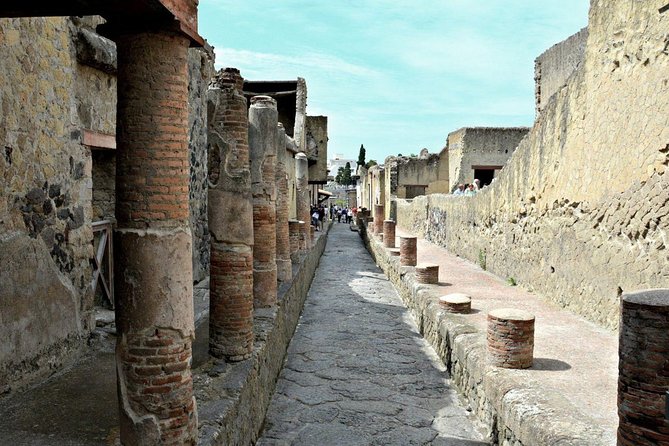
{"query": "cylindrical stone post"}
[(153, 275), (643, 378), (510, 338), (284, 267), (379, 216), (294, 235), (304, 228), (427, 273), (408, 251), (230, 210), (389, 233), (263, 120), (394, 252), (456, 303), (303, 205)]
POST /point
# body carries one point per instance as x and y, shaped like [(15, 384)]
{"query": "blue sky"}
[(395, 75)]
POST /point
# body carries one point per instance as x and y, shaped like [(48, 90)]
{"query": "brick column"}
[(408, 251), (456, 303), (379, 216), (294, 235), (389, 233), (263, 120), (284, 266), (230, 211), (303, 205), (427, 273), (643, 377), (510, 338), (152, 266)]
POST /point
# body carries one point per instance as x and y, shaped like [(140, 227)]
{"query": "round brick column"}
[(294, 235), (510, 338), (303, 238), (153, 276), (263, 120), (643, 378), (284, 266), (408, 251), (379, 216), (303, 205), (389, 233), (456, 303), (427, 273), (231, 269)]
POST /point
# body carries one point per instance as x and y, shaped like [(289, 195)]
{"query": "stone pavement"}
[(357, 370)]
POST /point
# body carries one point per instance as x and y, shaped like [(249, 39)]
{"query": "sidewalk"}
[(575, 368)]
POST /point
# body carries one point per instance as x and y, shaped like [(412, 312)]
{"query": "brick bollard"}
[(427, 273), (380, 235), (231, 242), (284, 267), (379, 215), (153, 274), (263, 120), (294, 235), (394, 252), (643, 377), (510, 338), (408, 251), (389, 231), (456, 303), (304, 239)]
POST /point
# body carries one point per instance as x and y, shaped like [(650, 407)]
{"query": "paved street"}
[(358, 372)]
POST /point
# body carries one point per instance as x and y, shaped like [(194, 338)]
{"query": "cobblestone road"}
[(358, 372)]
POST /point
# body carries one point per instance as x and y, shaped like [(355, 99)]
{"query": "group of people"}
[(468, 189), (318, 214)]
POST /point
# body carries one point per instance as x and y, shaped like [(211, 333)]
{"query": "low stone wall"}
[(515, 411), (233, 398)]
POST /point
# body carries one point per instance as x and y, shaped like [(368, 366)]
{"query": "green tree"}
[(346, 179), (340, 173), (361, 156), (371, 163)]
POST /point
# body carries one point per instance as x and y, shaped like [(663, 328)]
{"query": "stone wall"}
[(317, 148), (45, 196), (554, 66), (580, 212), (480, 146), (201, 70)]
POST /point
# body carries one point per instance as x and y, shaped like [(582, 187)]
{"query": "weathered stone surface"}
[(516, 409), (231, 220), (283, 245), (263, 120), (353, 374)]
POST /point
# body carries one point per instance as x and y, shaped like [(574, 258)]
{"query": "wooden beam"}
[(97, 140)]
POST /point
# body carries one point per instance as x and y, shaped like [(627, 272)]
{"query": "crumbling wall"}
[(480, 146), (317, 148), (45, 196), (580, 212), (554, 66), (201, 70)]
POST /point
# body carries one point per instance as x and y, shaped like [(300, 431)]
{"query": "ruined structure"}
[(480, 153), (105, 138), (565, 216)]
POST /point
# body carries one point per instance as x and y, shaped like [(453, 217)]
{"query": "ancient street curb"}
[(232, 405), (516, 411)]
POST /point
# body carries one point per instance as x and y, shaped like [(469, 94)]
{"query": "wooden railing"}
[(104, 271)]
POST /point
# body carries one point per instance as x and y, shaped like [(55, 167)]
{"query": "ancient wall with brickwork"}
[(60, 82), (45, 196), (580, 212), (317, 148), (472, 147), (554, 66)]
